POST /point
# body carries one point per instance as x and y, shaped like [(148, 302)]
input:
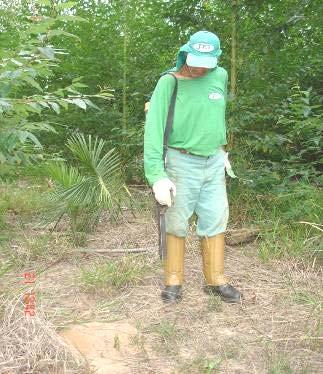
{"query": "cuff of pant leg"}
[(214, 233)]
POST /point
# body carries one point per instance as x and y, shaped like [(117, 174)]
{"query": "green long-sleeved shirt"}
[(199, 119)]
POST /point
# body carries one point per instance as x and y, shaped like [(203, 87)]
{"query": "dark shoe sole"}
[(170, 296), (230, 301), (168, 300), (210, 291)]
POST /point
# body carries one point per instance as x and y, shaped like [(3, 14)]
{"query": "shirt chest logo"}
[(215, 96)]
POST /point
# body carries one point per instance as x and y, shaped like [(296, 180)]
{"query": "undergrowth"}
[(113, 274), (289, 220)]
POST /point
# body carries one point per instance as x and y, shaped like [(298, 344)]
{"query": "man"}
[(194, 172)]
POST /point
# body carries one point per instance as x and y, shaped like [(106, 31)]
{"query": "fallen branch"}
[(299, 338), (118, 251), (239, 236)]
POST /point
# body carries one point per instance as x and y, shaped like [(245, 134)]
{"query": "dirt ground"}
[(275, 329)]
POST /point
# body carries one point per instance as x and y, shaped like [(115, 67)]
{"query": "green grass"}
[(13, 173), (285, 240), (37, 247), (201, 365), (5, 267), (214, 304), (278, 364), (24, 199), (280, 217), (307, 298), (168, 333), (113, 274), (166, 329), (211, 366), (138, 341), (34, 249), (21, 201)]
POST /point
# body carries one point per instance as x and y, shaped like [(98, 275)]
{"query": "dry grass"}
[(31, 344), (276, 329), (201, 334)]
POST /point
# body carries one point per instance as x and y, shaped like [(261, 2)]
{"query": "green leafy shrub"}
[(81, 192), (288, 146), (26, 72), (131, 143)]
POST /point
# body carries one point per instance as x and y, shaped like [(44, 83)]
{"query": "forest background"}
[(87, 67)]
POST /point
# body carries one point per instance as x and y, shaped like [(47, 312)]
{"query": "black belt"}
[(186, 152)]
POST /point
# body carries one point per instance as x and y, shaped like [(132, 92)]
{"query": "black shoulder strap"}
[(170, 117)]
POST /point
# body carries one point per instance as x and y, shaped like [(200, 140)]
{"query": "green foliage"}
[(290, 148), (130, 143), (289, 220), (300, 124), (26, 72), (83, 191)]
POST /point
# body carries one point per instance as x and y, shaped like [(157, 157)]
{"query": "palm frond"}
[(109, 165), (64, 175), (99, 187), (87, 151)]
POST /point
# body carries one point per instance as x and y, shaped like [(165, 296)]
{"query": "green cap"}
[(202, 50)]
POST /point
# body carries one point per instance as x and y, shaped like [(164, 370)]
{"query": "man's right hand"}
[(162, 190)]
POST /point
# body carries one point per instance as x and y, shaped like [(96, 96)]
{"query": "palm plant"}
[(82, 192)]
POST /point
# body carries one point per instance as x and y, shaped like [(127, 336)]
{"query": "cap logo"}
[(203, 47)]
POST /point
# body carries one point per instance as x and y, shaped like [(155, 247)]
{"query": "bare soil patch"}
[(106, 346)]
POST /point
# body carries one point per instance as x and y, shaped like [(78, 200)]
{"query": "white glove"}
[(162, 190), (228, 166)]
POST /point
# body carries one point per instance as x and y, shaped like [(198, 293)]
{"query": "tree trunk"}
[(233, 75), (124, 85), (233, 85)]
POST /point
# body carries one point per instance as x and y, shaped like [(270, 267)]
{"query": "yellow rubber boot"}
[(173, 268), (174, 262), (213, 259), (213, 268)]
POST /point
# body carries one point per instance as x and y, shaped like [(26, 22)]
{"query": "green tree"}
[(26, 71)]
